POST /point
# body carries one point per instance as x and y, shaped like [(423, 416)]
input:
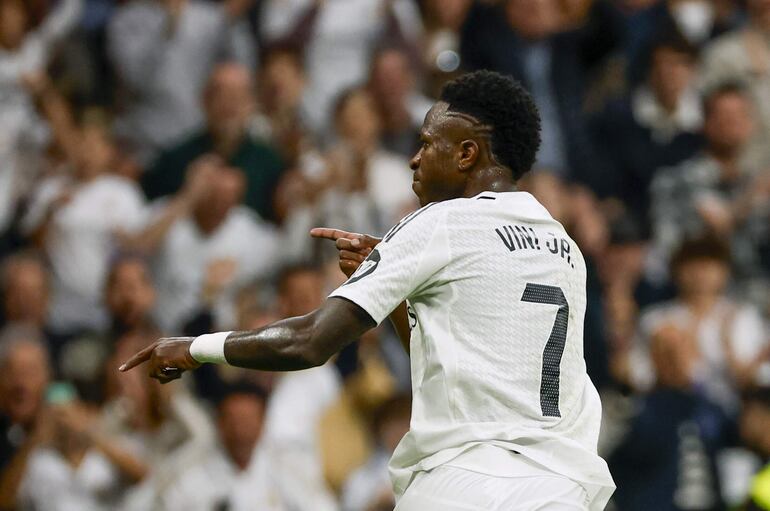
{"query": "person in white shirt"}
[(80, 468), (239, 474), (163, 52), (363, 187), (204, 235), (730, 337), (77, 218), (491, 293), (23, 133), (338, 39)]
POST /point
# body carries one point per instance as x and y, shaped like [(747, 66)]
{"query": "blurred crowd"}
[(161, 164)]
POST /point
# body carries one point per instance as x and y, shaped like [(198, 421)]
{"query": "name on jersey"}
[(519, 237)]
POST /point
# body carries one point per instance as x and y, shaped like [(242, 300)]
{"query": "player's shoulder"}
[(427, 218)]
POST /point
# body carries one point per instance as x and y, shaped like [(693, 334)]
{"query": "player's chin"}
[(417, 189)]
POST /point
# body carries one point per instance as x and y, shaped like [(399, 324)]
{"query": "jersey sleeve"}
[(403, 265)]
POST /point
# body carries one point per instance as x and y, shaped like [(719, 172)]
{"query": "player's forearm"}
[(286, 345), (300, 342)]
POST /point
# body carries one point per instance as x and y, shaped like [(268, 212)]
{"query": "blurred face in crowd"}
[(229, 100), (97, 151), (25, 293), (283, 82), (13, 23), (130, 293), (759, 10), (392, 78), (533, 19), (240, 426), (701, 277), (301, 292), (728, 125), (674, 353), (671, 72), (225, 191), (623, 262), (24, 377), (447, 13), (358, 122)]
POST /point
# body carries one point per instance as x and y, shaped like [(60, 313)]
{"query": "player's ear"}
[(469, 153)]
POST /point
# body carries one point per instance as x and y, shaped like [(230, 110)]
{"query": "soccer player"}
[(493, 290)]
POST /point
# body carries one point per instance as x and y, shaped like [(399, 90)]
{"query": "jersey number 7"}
[(554, 348)]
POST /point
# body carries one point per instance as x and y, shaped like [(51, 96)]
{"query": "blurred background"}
[(161, 163)]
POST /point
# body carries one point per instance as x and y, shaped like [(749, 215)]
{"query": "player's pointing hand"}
[(167, 358), (353, 247)]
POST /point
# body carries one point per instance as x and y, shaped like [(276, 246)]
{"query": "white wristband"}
[(209, 348)]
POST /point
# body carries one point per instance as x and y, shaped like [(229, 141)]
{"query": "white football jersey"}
[(496, 294)]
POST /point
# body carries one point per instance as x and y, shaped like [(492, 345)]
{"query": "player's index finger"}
[(138, 358), (330, 233)]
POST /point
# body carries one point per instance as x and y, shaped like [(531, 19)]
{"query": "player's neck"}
[(489, 179)]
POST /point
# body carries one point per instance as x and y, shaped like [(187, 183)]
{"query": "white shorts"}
[(454, 488)]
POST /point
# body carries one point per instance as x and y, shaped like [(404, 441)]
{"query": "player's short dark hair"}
[(504, 104), (704, 247)]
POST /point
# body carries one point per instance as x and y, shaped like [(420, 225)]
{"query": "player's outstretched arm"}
[(287, 345), (353, 249)]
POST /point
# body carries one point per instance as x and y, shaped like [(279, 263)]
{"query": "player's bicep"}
[(335, 324), (409, 255)]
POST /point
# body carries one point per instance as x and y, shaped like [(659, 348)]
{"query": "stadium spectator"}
[(239, 475), (727, 336), (524, 39), (25, 290), (163, 52), (204, 245), (75, 218), (299, 400), (363, 188), (282, 112), (24, 376), (130, 295), (368, 488), (441, 43), (163, 426), (628, 285), (698, 21), (658, 124), (400, 105), (81, 468), (24, 50), (229, 102), (671, 464), (362, 167), (716, 190), (338, 38), (744, 55)]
